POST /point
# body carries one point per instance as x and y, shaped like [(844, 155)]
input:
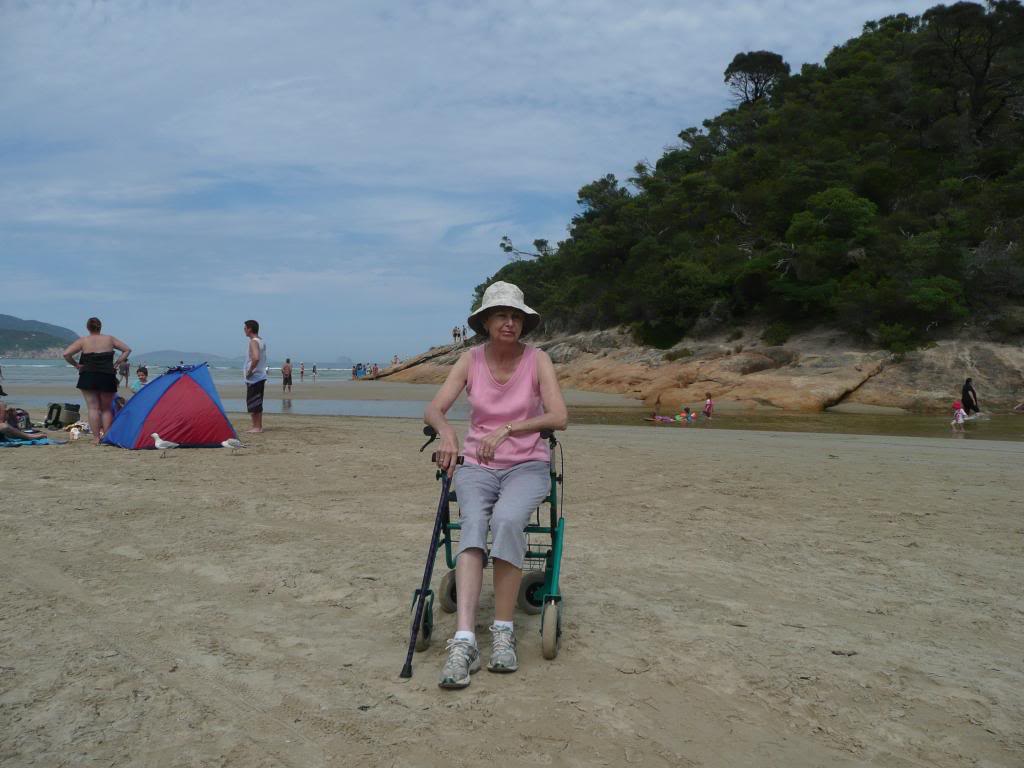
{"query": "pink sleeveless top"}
[(493, 405)]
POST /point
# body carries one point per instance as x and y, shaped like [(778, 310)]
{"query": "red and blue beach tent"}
[(181, 406)]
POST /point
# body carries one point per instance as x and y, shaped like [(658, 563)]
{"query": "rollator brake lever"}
[(430, 432)]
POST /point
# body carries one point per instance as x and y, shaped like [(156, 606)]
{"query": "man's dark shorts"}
[(254, 396)]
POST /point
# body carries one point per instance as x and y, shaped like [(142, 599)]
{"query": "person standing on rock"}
[(969, 398)]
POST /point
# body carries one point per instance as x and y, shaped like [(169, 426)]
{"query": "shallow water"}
[(1002, 426)]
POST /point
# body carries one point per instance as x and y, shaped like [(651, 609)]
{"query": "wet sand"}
[(732, 598)]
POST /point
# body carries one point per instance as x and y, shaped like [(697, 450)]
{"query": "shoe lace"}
[(458, 652), (501, 639)]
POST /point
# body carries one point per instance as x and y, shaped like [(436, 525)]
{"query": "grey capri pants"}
[(504, 499)]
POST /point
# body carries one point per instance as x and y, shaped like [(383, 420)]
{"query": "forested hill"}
[(882, 192)]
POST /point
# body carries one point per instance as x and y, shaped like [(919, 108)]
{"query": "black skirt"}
[(97, 382)]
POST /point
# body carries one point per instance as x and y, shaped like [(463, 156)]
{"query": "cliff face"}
[(811, 372)]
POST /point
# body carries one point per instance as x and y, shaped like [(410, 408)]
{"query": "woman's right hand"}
[(447, 454)]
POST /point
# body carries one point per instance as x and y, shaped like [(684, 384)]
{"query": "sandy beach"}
[(732, 598)]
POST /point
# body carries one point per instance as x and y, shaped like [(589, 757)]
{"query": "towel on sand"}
[(13, 442)]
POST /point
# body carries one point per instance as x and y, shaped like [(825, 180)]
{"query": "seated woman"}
[(9, 427), (513, 395)]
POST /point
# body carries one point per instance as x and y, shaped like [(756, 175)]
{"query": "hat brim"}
[(476, 321)]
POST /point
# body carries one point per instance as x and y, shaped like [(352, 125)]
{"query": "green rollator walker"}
[(539, 591)]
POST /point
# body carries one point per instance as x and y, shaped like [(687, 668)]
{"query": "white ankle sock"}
[(502, 624), (464, 634)]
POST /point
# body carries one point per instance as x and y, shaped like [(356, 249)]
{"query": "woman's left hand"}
[(490, 444)]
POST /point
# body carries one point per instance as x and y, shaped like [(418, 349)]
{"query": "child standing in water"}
[(709, 406), (959, 416)]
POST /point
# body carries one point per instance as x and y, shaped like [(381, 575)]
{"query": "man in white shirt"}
[(255, 371)]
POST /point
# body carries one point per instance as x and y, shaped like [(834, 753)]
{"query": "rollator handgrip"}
[(458, 460)]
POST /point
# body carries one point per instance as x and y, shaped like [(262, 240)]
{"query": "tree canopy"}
[(881, 191), (752, 76)]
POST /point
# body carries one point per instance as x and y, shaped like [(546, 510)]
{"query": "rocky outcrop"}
[(811, 372), (931, 378)]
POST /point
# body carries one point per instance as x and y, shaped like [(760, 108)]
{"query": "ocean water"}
[(57, 372)]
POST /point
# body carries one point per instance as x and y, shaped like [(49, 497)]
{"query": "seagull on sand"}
[(232, 443), (163, 445)]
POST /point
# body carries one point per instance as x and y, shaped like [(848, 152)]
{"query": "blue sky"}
[(340, 171)]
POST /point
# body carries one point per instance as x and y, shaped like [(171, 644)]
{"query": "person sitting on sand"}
[(959, 416), (513, 395), (9, 426), (96, 377), (9, 431)]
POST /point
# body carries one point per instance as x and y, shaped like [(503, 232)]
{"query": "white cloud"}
[(222, 135)]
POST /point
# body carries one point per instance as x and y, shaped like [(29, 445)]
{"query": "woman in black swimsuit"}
[(96, 377)]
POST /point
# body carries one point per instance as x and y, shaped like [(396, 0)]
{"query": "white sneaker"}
[(463, 660), (503, 650)]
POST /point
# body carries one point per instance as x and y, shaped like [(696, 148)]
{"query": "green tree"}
[(880, 191), (752, 76)]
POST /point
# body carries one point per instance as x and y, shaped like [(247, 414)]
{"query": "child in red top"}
[(709, 406), (959, 416)]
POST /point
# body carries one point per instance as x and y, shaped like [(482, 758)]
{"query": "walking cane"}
[(428, 569)]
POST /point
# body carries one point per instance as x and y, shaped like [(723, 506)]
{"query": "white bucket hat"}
[(502, 294)]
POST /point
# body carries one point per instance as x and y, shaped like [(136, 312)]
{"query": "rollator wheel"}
[(447, 592), (531, 590), (549, 630), (426, 623)]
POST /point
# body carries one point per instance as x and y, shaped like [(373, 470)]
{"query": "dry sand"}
[(732, 599)]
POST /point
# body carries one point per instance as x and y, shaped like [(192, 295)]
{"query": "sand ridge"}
[(732, 598)]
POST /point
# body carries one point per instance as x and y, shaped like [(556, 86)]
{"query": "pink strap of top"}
[(493, 405)]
